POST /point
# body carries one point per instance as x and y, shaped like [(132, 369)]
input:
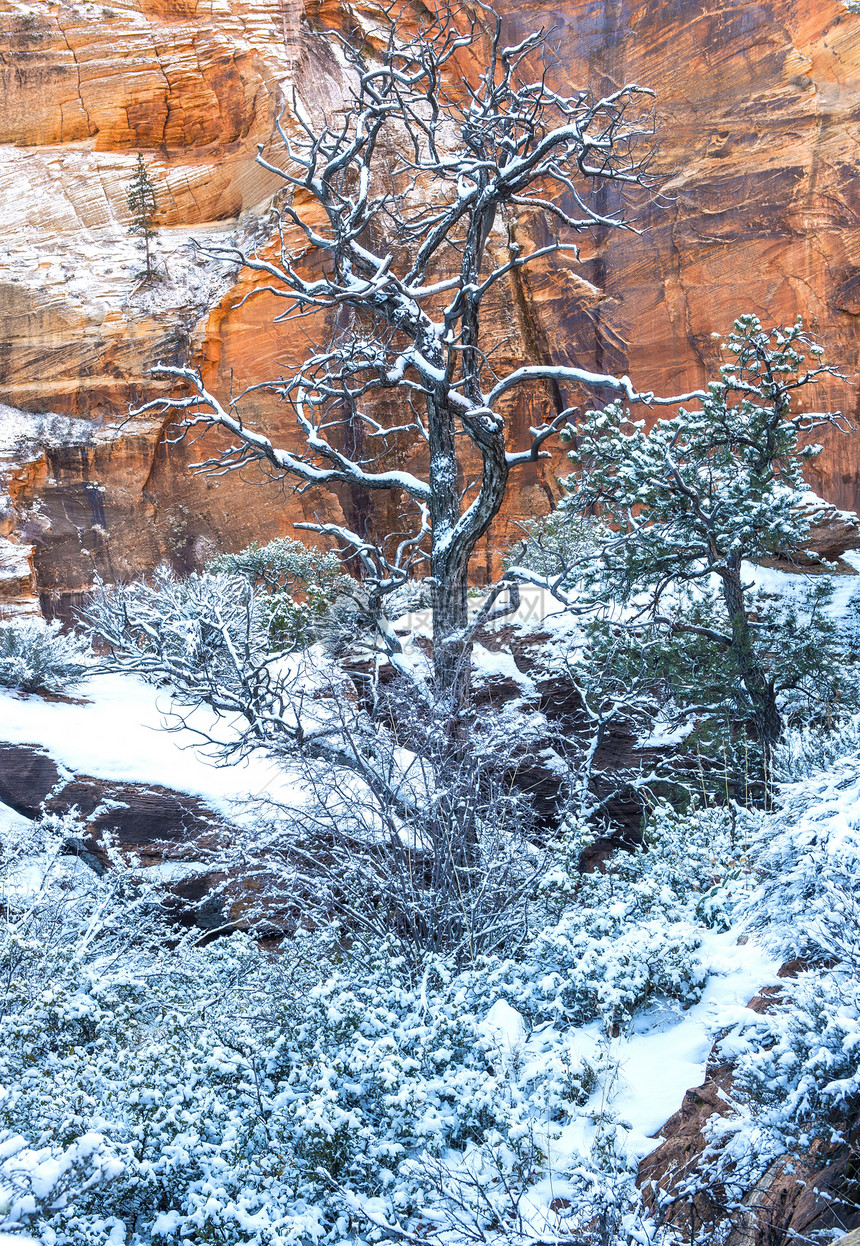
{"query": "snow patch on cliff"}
[(115, 729), (24, 435), (65, 221)]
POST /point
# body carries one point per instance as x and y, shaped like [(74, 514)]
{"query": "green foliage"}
[(296, 586), (696, 683), (664, 578), (143, 205), (556, 542), (708, 486), (282, 565)]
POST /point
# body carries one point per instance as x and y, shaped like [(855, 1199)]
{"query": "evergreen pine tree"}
[(142, 204), (678, 515)]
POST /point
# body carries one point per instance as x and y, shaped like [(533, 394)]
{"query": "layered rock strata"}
[(164, 838), (757, 106)]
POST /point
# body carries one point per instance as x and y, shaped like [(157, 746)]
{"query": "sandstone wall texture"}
[(759, 108)]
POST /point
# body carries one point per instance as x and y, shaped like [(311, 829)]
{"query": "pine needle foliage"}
[(143, 205), (677, 514)]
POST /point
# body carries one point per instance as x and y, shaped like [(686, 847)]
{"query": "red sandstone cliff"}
[(760, 115)]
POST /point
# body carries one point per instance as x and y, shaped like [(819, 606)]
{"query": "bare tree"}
[(422, 841), (410, 199), (396, 828)]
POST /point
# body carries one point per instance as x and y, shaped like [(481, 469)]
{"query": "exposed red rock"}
[(759, 124), (160, 835), (798, 1199)]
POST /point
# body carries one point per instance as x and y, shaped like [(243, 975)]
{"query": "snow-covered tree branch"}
[(681, 508), (408, 205)]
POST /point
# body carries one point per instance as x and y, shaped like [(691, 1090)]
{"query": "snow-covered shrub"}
[(613, 970), (800, 1064), (428, 845), (498, 1195), (702, 859), (809, 750), (609, 943), (361, 612), (795, 1083), (262, 601), (281, 565), (413, 597), (59, 921), (36, 655), (850, 626), (235, 1104), (692, 863), (796, 1075), (226, 1094), (558, 546), (41, 1181), (807, 853), (296, 587), (205, 635), (172, 624)]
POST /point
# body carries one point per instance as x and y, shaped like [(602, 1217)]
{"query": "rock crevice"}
[(757, 156)]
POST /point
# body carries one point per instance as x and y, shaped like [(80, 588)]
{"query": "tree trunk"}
[(452, 550), (759, 689), (451, 650), (454, 539), (449, 573)]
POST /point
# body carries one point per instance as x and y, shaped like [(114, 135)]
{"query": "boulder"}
[(163, 836)]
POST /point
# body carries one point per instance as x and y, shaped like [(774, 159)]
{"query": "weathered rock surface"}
[(759, 127), (164, 836), (851, 1239), (833, 533), (798, 1199), (27, 777)]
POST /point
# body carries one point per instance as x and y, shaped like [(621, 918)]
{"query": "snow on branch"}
[(202, 407)]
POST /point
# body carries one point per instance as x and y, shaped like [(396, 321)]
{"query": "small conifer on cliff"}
[(143, 205)]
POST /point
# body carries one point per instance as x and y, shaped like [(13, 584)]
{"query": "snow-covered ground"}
[(115, 729), (664, 1054), (667, 1053)]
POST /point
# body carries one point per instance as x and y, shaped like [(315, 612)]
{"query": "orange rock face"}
[(757, 107), (759, 121)]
